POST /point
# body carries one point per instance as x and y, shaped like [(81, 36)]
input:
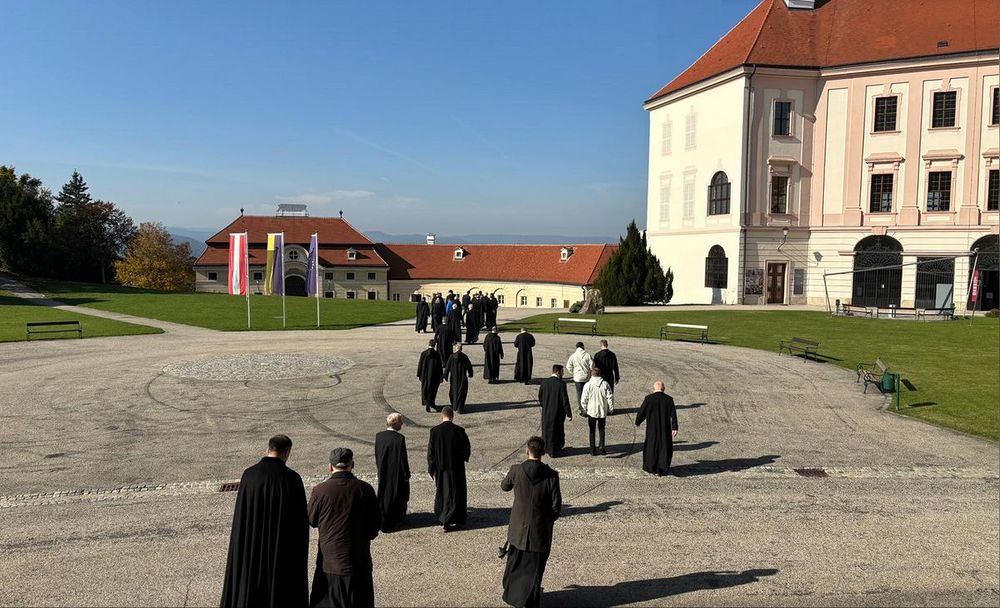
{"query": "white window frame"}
[(691, 130), (350, 276), (689, 196), (351, 294), (666, 181), (352, 254), (666, 137)]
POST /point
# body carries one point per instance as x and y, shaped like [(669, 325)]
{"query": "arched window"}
[(986, 262), (716, 268), (293, 254), (718, 194), (878, 272)]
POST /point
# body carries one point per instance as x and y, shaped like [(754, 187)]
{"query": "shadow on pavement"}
[(650, 590), (479, 408), (617, 449), (480, 518), (683, 446), (728, 465)]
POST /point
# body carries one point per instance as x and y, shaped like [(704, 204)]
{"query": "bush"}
[(993, 313), (576, 306)]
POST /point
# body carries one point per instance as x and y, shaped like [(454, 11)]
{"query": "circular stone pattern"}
[(250, 367)]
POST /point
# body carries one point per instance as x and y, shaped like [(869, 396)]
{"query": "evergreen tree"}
[(75, 193), (633, 275), (25, 223), (668, 292)]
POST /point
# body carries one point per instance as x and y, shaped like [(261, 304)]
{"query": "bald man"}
[(660, 415)]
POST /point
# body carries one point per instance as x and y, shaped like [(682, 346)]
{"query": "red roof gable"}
[(298, 230), (534, 263), (847, 32)]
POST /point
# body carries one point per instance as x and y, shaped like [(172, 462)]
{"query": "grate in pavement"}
[(806, 472), (231, 486)]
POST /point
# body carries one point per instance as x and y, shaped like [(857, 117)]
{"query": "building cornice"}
[(694, 89)]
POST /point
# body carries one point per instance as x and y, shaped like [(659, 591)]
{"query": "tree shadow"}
[(635, 410), (617, 450), (727, 465), (481, 518), (650, 590), (479, 408), (922, 404), (683, 446)]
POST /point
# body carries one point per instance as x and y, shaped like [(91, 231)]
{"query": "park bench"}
[(941, 313), (565, 323), (898, 312), (879, 374), (685, 330), (807, 348), (52, 327), (850, 310)]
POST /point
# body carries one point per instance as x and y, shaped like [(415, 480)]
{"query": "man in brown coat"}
[(537, 503)]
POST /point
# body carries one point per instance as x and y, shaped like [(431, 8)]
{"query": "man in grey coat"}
[(537, 503)]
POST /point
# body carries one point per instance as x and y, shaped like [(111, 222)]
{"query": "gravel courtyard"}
[(114, 449)]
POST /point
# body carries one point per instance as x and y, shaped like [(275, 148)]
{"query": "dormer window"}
[(352, 254), (459, 253), (564, 253)]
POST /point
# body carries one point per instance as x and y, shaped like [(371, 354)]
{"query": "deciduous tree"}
[(25, 223), (153, 261)]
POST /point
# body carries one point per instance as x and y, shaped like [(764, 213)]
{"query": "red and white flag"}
[(239, 264)]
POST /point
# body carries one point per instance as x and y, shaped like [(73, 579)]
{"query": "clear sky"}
[(452, 117)]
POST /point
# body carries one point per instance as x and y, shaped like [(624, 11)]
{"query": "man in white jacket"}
[(578, 366), (597, 402)]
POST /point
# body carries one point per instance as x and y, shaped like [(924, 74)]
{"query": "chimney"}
[(431, 238), (801, 4)]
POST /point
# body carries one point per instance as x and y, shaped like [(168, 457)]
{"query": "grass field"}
[(952, 368), (225, 312), (15, 312)]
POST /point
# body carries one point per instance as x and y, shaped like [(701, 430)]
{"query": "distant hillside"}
[(193, 237), (491, 239)]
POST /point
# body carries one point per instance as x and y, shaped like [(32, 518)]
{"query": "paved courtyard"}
[(114, 449)]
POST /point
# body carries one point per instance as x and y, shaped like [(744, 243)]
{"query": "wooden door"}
[(775, 283)]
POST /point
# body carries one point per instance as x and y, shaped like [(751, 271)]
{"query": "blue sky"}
[(450, 117)]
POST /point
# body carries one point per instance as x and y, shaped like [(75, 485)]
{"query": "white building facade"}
[(765, 175)]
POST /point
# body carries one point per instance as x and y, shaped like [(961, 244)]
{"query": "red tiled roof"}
[(534, 263), (217, 255), (298, 230), (847, 32)]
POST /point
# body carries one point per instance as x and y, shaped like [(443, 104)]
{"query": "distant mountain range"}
[(195, 237)]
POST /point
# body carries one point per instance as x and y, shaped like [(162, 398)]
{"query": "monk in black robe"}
[(269, 544), (471, 325), (524, 342), (430, 372), (393, 472), (606, 361), (447, 452), (658, 411), (444, 340), (454, 321), (493, 348), (554, 399), (423, 314), (492, 305), (437, 312), (457, 372)]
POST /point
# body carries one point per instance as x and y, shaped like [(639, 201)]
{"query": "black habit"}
[(393, 477), (491, 305), (447, 452), (554, 399), (429, 372), (269, 544), (537, 503), (493, 347), (437, 313), (444, 339), (472, 325), (524, 342), (660, 415), (454, 321), (457, 372), (607, 362), (423, 312)]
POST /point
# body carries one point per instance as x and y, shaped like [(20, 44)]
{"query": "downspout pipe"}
[(744, 188)]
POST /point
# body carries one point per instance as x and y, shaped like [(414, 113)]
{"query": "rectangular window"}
[(689, 197), (666, 138), (665, 200), (782, 118), (939, 191), (995, 113), (395, 297), (351, 295), (524, 300), (328, 276), (258, 276), (553, 303), (538, 302), (327, 294), (993, 190), (350, 276), (779, 194), (372, 295), (371, 276), (885, 114), (691, 124), (943, 114), (798, 281), (213, 276), (500, 299), (881, 195)]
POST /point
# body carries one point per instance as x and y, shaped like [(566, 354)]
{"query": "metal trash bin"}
[(890, 380)]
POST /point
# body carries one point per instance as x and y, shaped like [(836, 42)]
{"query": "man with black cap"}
[(346, 511)]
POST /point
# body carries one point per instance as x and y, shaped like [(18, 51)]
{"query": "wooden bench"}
[(941, 313), (877, 373), (807, 348), (898, 312), (685, 330), (53, 327), (850, 310), (565, 323)]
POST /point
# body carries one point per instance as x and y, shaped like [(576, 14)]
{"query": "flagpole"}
[(316, 264), (282, 252), (246, 246)]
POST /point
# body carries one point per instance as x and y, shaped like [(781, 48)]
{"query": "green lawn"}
[(225, 312), (15, 312), (952, 367)]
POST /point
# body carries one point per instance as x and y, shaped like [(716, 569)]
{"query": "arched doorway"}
[(987, 264), (295, 285), (878, 272)]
